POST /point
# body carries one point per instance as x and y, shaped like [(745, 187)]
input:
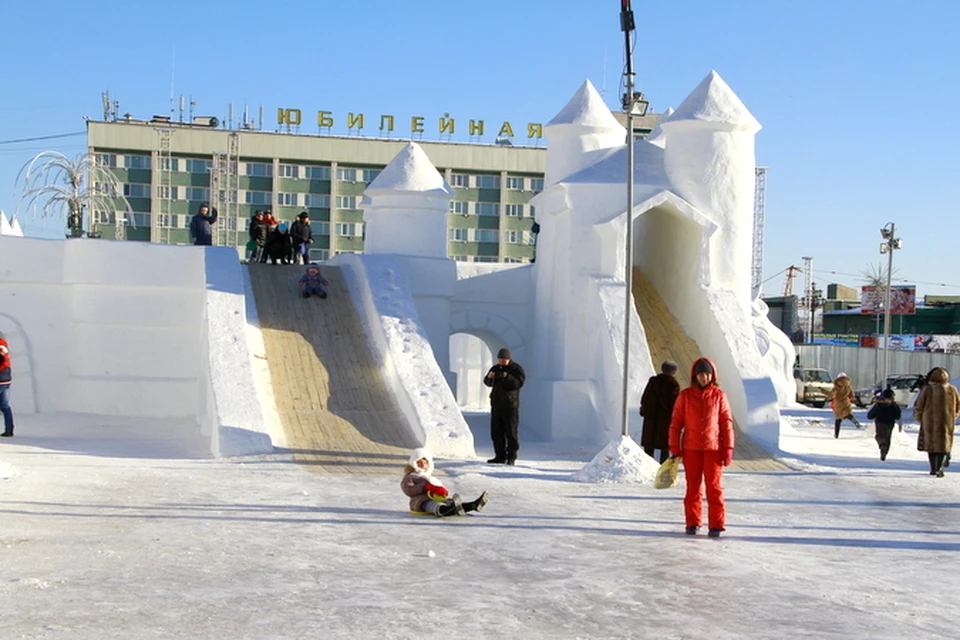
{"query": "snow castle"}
[(180, 347)]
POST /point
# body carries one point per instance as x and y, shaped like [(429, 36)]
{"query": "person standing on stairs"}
[(656, 408)]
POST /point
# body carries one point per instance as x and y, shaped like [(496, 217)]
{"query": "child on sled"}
[(428, 495), (313, 283)]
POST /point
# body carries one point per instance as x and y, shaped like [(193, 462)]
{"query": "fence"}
[(865, 366)]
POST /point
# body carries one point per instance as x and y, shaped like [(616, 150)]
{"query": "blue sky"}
[(853, 95)]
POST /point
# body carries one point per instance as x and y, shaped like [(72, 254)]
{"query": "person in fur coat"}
[(427, 494), (841, 401), (701, 432), (656, 408), (936, 410)]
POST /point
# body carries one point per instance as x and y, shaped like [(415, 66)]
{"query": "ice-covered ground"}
[(116, 535)]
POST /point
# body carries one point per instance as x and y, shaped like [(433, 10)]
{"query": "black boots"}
[(478, 504), (452, 507)]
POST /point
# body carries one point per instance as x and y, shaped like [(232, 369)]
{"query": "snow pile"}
[(7, 471), (621, 461)]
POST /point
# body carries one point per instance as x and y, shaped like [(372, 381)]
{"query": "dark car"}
[(905, 388)]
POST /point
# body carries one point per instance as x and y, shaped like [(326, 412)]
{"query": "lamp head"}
[(884, 247)]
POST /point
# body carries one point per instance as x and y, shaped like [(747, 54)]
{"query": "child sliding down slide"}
[(428, 495)]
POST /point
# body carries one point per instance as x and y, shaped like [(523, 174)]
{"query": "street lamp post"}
[(633, 104), (890, 243)]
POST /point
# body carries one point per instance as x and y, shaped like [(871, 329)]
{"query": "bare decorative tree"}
[(58, 186)]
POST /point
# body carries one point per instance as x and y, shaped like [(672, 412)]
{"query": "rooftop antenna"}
[(246, 118), (260, 119), (230, 116), (192, 105), (173, 67), (181, 107), (105, 97)]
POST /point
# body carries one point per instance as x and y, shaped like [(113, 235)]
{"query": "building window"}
[(463, 208), (461, 180), (136, 190), (197, 194), (321, 228), (287, 199), (198, 166), (487, 209), (168, 192), (107, 159), (318, 173), (105, 189), (349, 229), (536, 184), (485, 235), (141, 220), (169, 164), (289, 171), (512, 260), (484, 259), (533, 211), (259, 197), (316, 201), (346, 202), (515, 210), (369, 175), (347, 175), (104, 217), (460, 258), (458, 235), (260, 169), (320, 254), (513, 237), (515, 183), (488, 182), (136, 162)]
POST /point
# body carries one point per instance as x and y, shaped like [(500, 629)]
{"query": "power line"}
[(59, 135), (895, 279)]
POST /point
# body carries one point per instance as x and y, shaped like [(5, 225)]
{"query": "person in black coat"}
[(258, 235), (201, 225), (656, 407), (505, 379), (301, 236), (885, 413), (277, 246)]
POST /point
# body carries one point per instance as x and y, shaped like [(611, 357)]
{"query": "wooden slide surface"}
[(667, 341), (338, 415)]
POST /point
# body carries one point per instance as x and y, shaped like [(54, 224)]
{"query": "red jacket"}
[(701, 418), (5, 374)]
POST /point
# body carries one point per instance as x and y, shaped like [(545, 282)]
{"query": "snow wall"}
[(131, 329)]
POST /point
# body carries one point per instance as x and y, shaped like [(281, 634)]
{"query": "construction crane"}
[(792, 272), (759, 215)]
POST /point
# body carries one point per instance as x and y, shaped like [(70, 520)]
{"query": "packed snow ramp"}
[(667, 340), (337, 413)]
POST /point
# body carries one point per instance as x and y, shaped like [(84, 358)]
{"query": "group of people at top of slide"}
[(269, 239)]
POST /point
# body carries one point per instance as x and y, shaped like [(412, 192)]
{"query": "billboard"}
[(903, 299)]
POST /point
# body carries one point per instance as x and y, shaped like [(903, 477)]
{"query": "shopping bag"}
[(668, 474)]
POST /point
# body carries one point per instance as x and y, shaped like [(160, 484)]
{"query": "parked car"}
[(813, 385), (905, 387)]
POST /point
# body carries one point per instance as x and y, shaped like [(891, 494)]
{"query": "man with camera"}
[(504, 379)]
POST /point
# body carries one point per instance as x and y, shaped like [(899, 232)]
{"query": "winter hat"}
[(313, 267), (841, 375), (668, 367), (703, 366), (303, 214), (421, 452), (504, 354), (283, 226)]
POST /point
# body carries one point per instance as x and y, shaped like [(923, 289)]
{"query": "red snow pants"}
[(700, 466)]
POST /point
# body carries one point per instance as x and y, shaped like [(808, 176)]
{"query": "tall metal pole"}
[(627, 25), (891, 245)]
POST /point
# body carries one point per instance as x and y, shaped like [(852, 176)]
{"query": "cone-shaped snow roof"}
[(713, 101), (5, 228), (410, 171), (15, 225), (586, 109)]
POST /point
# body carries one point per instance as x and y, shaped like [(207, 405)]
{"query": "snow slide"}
[(666, 340)]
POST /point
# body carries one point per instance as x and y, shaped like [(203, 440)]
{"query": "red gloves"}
[(435, 492), (726, 457)]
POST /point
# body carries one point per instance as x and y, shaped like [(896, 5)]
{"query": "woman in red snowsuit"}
[(701, 431)]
